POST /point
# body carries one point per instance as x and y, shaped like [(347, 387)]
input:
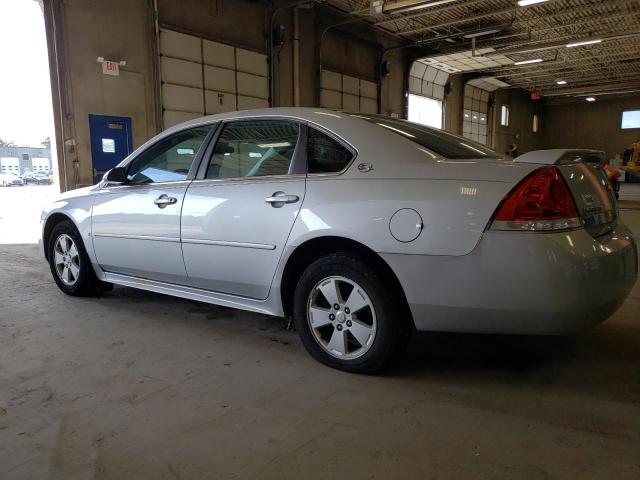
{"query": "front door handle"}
[(164, 200), (278, 199)]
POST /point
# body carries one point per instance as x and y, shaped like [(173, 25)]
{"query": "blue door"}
[(111, 142)]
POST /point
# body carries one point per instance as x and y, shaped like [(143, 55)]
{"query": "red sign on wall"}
[(110, 68), (535, 96)]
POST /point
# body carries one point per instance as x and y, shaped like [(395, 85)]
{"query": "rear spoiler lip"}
[(557, 156)]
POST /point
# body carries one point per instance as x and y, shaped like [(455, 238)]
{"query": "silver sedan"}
[(360, 227)]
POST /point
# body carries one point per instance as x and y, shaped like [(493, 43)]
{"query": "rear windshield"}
[(445, 144)]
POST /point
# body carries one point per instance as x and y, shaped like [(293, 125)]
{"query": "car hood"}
[(78, 192)]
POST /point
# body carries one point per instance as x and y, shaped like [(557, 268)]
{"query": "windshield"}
[(442, 143)]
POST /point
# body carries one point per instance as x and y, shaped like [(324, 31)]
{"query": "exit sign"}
[(110, 68), (535, 96)]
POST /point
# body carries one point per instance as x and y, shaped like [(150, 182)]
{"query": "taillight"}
[(540, 202)]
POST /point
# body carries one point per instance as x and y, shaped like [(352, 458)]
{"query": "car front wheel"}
[(347, 315), (70, 264)]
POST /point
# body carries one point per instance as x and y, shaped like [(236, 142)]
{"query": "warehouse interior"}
[(135, 384), (183, 59)]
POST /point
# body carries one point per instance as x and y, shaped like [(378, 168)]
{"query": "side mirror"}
[(115, 176)]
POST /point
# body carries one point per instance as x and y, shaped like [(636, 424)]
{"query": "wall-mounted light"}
[(590, 99), (527, 62), (561, 82), (584, 42)]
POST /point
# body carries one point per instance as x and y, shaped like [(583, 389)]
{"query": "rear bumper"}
[(521, 283)]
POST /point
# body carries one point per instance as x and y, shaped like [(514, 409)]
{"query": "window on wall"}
[(427, 111), (535, 126), (504, 115), (475, 120), (630, 119)]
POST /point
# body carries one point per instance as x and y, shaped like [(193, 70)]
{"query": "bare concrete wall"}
[(453, 105), (116, 30), (589, 125), (520, 129)]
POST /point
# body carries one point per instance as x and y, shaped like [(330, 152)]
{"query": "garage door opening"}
[(424, 110), (28, 166)]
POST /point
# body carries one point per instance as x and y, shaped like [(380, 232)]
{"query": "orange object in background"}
[(612, 173)]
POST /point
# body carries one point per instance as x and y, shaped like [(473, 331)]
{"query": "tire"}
[(379, 319), (81, 280)]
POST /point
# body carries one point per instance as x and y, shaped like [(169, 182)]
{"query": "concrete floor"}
[(138, 385)]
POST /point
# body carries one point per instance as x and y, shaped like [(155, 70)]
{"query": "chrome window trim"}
[(203, 182), (144, 186)]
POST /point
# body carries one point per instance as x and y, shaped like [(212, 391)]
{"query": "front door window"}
[(169, 160)]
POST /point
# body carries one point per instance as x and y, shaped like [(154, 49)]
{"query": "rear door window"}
[(254, 148)]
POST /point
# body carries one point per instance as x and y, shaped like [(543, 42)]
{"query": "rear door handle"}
[(164, 200), (278, 199)]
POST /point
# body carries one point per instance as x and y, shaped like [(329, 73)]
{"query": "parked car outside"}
[(36, 178), (362, 228), (10, 180)]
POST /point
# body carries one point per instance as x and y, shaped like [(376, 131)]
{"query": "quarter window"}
[(254, 148), (324, 154), (170, 159)]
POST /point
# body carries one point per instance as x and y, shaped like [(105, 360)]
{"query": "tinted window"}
[(324, 154), (254, 148), (445, 144), (170, 159)]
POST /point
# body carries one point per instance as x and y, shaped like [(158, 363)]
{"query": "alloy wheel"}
[(66, 259), (341, 317)]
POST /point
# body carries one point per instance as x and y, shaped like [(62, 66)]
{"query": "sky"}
[(26, 112)]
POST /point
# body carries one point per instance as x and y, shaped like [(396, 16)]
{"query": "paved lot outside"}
[(20, 209), (138, 385)]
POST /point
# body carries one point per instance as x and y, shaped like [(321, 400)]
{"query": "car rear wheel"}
[(347, 316), (70, 264)]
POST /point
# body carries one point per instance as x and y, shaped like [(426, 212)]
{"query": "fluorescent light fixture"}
[(482, 33), (590, 99), (561, 82), (404, 6), (527, 62), (584, 42), (526, 3)]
